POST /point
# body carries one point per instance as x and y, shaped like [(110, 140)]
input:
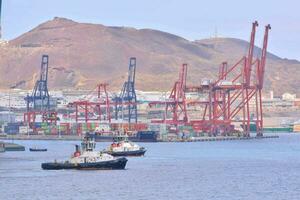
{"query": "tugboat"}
[(123, 147), (87, 158)]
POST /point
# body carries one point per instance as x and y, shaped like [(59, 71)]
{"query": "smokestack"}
[(0, 19)]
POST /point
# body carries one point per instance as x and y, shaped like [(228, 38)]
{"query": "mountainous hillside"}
[(82, 55)]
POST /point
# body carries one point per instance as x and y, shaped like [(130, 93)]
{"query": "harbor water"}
[(267, 169)]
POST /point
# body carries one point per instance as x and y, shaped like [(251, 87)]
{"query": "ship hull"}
[(140, 152), (116, 164), (142, 136), (58, 166)]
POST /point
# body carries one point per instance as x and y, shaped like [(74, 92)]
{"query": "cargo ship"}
[(139, 136)]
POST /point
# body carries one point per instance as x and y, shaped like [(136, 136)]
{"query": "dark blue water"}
[(251, 169)]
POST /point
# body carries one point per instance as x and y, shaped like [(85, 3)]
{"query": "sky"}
[(191, 19)]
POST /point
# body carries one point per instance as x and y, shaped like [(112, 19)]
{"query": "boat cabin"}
[(88, 144), (120, 138)]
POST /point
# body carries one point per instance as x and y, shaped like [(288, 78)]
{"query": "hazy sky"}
[(191, 19)]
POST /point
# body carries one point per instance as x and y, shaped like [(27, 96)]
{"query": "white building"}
[(289, 97)]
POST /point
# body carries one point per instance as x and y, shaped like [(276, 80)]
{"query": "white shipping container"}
[(23, 129), (102, 127)]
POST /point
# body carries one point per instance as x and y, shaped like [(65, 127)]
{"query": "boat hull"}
[(36, 150), (141, 136), (58, 166), (119, 163), (140, 152)]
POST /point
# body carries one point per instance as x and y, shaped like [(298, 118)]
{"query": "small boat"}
[(123, 147), (37, 149), (87, 158)]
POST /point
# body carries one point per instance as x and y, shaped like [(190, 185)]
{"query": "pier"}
[(192, 139), (13, 147), (9, 146), (223, 138)]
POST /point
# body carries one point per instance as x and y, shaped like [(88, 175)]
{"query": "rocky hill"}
[(82, 55)]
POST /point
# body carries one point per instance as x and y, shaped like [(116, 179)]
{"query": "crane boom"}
[(250, 54), (264, 56)]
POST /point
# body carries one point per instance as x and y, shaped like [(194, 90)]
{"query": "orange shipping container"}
[(296, 128)]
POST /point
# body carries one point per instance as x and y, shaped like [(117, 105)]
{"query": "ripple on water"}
[(233, 170)]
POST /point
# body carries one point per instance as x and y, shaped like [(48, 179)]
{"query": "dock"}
[(13, 147), (10, 147), (226, 138), (193, 139), (42, 137)]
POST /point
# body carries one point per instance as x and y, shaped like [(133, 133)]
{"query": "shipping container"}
[(296, 128)]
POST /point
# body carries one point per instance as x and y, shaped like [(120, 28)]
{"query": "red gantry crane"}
[(230, 95), (98, 109), (175, 105), (225, 101)]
